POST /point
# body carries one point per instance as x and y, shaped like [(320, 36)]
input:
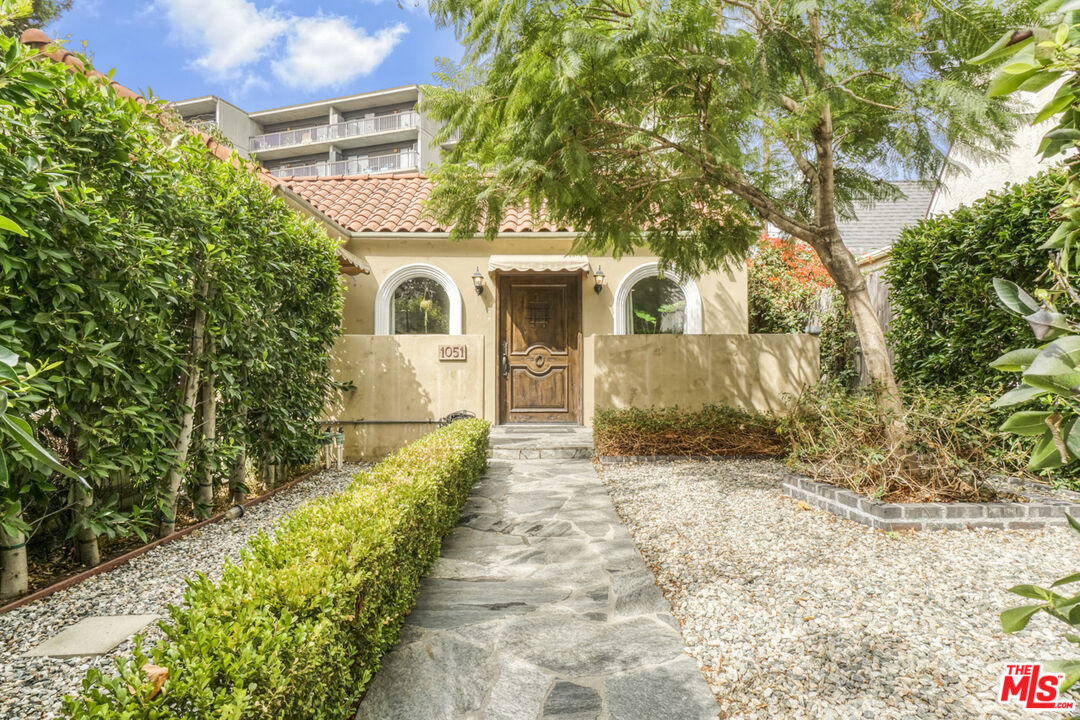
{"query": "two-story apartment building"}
[(369, 133)]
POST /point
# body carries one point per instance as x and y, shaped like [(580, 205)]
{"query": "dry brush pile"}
[(838, 436)]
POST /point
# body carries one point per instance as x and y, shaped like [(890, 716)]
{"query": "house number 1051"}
[(452, 352)]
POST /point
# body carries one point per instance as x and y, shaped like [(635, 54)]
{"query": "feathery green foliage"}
[(634, 117), (683, 125)]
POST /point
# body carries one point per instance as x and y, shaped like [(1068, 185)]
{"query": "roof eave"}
[(417, 235), (876, 256)]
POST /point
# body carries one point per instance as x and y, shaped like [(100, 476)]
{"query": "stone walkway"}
[(539, 608)]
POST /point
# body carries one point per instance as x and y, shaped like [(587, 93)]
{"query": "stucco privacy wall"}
[(750, 371), (723, 294), (399, 377)]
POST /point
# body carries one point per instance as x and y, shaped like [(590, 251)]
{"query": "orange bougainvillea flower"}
[(800, 262)]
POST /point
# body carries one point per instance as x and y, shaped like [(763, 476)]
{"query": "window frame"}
[(384, 298), (621, 309)]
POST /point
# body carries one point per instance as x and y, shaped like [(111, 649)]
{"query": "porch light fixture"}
[(599, 279), (478, 281)]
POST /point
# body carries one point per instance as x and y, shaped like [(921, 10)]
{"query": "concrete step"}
[(536, 442)]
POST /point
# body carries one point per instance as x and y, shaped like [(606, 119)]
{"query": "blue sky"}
[(258, 54)]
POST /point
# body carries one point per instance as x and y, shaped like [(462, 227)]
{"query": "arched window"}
[(656, 306), (420, 307), (650, 302), (418, 299)]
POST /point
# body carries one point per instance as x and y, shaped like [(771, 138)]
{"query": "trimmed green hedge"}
[(947, 325), (298, 627)]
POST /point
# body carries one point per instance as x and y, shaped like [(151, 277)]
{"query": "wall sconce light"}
[(599, 279), (478, 281)]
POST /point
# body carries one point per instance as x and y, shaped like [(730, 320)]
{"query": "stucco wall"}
[(751, 371), (235, 124), (975, 178), (400, 378), (723, 294)]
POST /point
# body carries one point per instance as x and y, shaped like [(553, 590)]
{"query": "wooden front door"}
[(539, 350)]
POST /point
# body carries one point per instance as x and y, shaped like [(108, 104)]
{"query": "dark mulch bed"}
[(711, 431)]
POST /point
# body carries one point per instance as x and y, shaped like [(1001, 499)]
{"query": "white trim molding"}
[(652, 269), (385, 297)]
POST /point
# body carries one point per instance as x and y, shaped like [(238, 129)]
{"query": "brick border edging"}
[(1035, 515)]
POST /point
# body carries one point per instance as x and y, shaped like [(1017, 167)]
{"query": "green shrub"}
[(712, 430), (839, 344), (296, 629), (947, 326)]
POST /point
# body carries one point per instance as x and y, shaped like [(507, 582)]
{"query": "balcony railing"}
[(408, 160), (338, 131)]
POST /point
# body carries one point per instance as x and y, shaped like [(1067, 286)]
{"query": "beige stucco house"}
[(522, 329)]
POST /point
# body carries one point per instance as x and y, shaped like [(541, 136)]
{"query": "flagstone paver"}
[(539, 608)]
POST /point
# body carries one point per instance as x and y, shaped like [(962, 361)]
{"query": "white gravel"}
[(796, 613), (32, 688)]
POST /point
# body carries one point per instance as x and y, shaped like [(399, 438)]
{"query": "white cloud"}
[(416, 7), (231, 34), (328, 51)]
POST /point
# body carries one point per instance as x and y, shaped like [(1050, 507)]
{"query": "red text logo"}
[(1034, 689)]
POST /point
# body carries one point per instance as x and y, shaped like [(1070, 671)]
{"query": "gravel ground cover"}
[(792, 612), (32, 688)]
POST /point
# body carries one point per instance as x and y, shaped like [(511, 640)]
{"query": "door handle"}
[(504, 363)]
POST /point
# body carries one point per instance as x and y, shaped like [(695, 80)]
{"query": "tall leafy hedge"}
[(948, 326), (296, 628), (130, 233)]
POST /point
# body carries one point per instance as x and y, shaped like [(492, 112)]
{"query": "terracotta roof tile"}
[(35, 36), (392, 203)]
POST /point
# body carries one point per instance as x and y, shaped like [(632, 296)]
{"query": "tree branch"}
[(868, 101)]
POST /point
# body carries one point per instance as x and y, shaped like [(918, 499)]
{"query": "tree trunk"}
[(188, 397), (204, 500), (269, 474), (238, 477), (841, 264), (849, 279), (86, 539), (13, 582)]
